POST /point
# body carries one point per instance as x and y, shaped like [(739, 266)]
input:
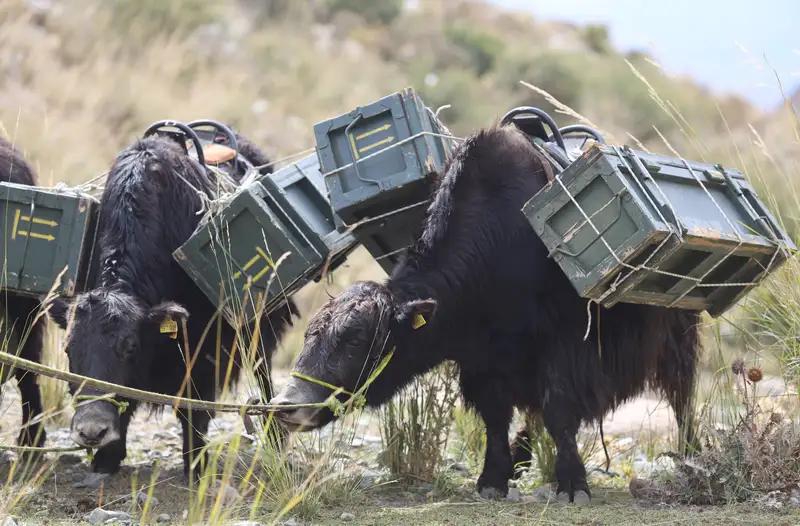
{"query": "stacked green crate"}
[(633, 227), (273, 236), (48, 239), (379, 161)]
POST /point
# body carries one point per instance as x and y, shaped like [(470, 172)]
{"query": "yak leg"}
[(32, 432), (488, 397), (676, 374), (562, 423), (20, 312), (679, 392), (195, 428), (108, 458)]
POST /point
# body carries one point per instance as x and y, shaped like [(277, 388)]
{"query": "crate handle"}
[(354, 151), (184, 129), (715, 175), (757, 213)]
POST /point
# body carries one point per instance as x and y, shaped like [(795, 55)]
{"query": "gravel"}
[(90, 481), (101, 516)]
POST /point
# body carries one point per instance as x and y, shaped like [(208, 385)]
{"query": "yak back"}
[(13, 167), (150, 206), (506, 308)]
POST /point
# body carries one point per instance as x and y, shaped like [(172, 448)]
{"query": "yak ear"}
[(415, 313), (166, 318), (58, 311)]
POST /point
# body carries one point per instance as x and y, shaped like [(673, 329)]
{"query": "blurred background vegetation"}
[(80, 80)]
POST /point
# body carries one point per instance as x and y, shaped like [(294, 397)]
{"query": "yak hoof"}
[(490, 493), (580, 498)]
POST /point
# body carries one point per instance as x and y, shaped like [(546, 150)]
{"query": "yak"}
[(479, 289), (116, 330), (22, 328)]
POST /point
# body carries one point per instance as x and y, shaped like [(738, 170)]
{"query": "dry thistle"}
[(737, 367), (755, 375)]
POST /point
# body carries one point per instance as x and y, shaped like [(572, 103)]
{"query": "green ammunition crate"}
[(300, 190), (46, 232), (381, 189), (365, 175), (708, 241), (281, 221), (386, 239)]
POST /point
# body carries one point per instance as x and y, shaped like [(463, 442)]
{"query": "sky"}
[(730, 46)]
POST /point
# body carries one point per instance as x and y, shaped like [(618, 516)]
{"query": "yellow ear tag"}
[(418, 321), (169, 327)]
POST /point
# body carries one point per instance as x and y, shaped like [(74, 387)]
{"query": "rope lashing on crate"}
[(644, 265), (390, 147), (352, 226), (638, 168)]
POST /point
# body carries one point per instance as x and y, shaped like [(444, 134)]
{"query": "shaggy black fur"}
[(505, 313), (19, 313), (150, 207)]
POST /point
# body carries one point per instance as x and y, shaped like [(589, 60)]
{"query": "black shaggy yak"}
[(149, 207), (478, 288), (19, 314)]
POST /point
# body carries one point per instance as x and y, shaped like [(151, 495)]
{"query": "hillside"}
[(81, 79)]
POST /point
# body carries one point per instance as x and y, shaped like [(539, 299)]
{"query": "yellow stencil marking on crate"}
[(373, 132), (387, 140), (269, 265), (16, 231), (16, 222), (246, 266), (39, 221)]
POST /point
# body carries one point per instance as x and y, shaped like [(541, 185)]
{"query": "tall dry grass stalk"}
[(415, 424)]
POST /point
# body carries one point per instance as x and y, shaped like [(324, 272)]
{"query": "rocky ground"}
[(70, 493)]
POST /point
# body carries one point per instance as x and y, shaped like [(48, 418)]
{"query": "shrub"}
[(471, 431), (596, 37), (483, 49), (376, 11), (415, 425)]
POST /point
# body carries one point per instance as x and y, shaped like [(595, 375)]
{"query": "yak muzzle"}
[(95, 425), (297, 392)]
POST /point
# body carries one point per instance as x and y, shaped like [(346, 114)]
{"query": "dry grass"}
[(415, 424)]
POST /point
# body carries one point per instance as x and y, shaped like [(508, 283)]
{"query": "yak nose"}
[(93, 433), (282, 398)]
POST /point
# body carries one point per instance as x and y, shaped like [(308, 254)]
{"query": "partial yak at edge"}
[(150, 207), (23, 333), (504, 312)]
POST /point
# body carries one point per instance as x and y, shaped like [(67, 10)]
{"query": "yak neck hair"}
[(457, 246), (151, 205)]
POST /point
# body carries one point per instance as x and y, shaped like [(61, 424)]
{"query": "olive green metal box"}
[(632, 227), (274, 236), (48, 237), (379, 161)]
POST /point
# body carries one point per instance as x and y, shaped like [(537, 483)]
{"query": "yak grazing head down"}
[(112, 336), (344, 342)]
